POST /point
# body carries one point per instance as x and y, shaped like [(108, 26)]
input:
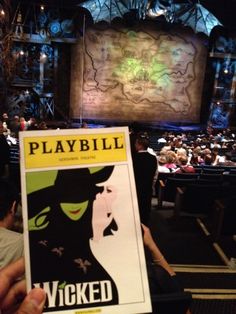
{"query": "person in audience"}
[(11, 242), (208, 160), (5, 118), (15, 125), (215, 156), (23, 124), (233, 152), (13, 297), (183, 166), (171, 159), (182, 151), (162, 165), (227, 161), (42, 125), (14, 162), (196, 158), (4, 123), (84, 125), (32, 124), (4, 153), (145, 166)]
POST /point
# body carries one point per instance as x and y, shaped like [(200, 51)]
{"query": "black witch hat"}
[(70, 186)]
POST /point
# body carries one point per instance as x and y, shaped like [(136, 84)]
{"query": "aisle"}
[(201, 265)]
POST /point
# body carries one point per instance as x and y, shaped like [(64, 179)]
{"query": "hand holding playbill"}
[(13, 292)]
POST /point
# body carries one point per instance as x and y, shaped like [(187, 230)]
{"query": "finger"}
[(144, 227), (9, 274), (15, 295), (33, 303)]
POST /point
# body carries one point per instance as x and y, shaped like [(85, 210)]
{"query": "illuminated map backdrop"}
[(146, 75)]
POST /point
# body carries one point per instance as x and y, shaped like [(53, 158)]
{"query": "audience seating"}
[(167, 183), (224, 216), (167, 189), (211, 176), (171, 303), (213, 170), (186, 175), (229, 179), (197, 199), (198, 169), (231, 170), (162, 177)]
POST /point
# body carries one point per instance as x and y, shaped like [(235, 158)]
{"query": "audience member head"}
[(181, 152), (208, 159), (4, 116), (84, 125), (141, 143), (183, 160), (42, 125), (205, 152), (162, 160), (171, 157)]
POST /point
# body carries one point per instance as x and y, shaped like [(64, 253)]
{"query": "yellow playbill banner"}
[(63, 150)]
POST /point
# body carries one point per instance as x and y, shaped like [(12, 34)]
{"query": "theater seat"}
[(224, 216), (171, 303)]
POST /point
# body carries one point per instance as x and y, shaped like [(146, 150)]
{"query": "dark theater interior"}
[(166, 69)]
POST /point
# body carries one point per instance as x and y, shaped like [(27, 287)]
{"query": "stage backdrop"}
[(146, 75)]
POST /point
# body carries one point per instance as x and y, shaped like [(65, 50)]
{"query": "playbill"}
[(82, 233)]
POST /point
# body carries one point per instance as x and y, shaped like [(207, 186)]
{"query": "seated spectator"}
[(14, 163), (23, 124), (208, 160), (15, 125), (11, 242), (162, 164), (171, 160), (204, 152), (233, 152), (183, 166), (215, 156), (42, 125), (227, 160), (4, 153), (196, 158), (32, 124), (181, 152)]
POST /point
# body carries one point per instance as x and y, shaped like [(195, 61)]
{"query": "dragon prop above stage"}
[(189, 13)]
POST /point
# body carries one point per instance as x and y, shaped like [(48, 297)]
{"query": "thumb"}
[(33, 302)]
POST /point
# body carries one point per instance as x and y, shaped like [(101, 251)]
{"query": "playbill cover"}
[(83, 240)]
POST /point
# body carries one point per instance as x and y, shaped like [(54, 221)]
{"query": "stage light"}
[(41, 8), (43, 56)]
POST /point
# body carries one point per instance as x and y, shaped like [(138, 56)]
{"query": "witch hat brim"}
[(71, 186)]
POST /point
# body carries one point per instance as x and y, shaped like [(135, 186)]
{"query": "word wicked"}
[(76, 294), (75, 145)]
